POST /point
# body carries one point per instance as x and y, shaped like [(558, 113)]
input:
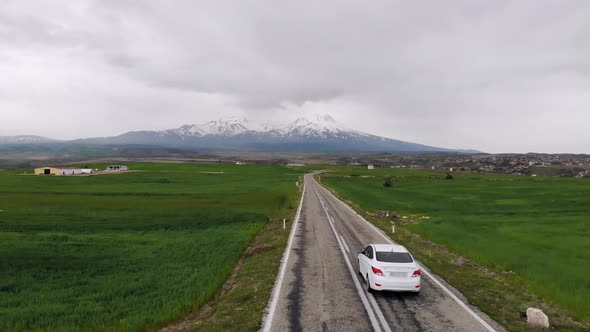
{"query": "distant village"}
[(518, 164), (530, 164)]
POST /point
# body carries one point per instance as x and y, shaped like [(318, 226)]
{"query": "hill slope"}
[(320, 134)]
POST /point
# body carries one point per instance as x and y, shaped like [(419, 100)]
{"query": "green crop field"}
[(538, 227), (128, 251)]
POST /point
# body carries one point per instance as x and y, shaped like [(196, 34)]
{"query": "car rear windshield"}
[(394, 257)]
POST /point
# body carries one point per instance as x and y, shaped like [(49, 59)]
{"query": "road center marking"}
[(345, 244)]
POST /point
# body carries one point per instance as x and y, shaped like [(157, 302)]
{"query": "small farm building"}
[(370, 166), (116, 168), (62, 170)]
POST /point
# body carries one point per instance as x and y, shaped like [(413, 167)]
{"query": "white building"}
[(370, 166), (61, 170), (69, 171), (86, 170), (116, 168)]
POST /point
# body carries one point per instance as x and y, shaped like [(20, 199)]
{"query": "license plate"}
[(397, 274)]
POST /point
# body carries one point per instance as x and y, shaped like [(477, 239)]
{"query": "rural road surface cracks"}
[(320, 289)]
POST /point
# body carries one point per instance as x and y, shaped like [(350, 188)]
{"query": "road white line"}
[(345, 244), (363, 296), (461, 303), (379, 312), (428, 274), (272, 306)]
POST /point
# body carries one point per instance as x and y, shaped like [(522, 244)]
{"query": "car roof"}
[(389, 247)]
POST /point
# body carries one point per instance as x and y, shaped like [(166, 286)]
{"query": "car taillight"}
[(377, 271), (416, 274)]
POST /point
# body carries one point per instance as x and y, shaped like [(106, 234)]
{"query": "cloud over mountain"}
[(451, 74)]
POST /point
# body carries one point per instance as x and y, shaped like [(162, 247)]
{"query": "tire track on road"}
[(295, 295)]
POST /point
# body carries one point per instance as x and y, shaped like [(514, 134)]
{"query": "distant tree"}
[(449, 176), (388, 183)]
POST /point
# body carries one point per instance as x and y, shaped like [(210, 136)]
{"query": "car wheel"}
[(369, 289)]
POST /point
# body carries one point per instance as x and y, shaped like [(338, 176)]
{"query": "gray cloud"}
[(497, 76)]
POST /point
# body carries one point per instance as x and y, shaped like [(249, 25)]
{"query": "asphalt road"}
[(319, 288)]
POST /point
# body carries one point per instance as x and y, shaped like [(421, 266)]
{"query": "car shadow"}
[(389, 295)]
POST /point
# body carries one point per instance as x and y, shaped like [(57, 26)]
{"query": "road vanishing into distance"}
[(319, 288)]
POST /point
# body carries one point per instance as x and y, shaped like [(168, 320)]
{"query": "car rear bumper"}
[(399, 285)]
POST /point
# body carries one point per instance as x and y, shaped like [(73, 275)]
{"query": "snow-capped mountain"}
[(231, 126), (323, 126), (317, 134), (24, 139)]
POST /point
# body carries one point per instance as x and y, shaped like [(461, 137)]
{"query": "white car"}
[(389, 267)]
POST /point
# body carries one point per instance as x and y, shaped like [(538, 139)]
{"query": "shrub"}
[(388, 182)]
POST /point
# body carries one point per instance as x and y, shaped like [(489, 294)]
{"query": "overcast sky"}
[(496, 76)]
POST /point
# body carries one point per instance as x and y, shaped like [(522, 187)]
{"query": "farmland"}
[(536, 227), (128, 251)]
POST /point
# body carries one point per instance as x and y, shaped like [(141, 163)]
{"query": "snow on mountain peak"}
[(230, 126), (324, 118), (319, 125), (323, 125), (26, 139), (226, 126)]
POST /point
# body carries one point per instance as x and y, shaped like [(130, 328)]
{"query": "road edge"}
[(270, 310)]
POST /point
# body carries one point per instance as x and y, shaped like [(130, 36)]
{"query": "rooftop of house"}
[(61, 167)]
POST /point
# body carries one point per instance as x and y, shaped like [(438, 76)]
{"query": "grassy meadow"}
[(128, 251), (537, 227)]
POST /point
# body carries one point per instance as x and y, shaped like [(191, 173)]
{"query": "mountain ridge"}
[(25, 139), (321, 133)]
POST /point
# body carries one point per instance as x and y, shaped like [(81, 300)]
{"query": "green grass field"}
[(537, 227), (128, 251)]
